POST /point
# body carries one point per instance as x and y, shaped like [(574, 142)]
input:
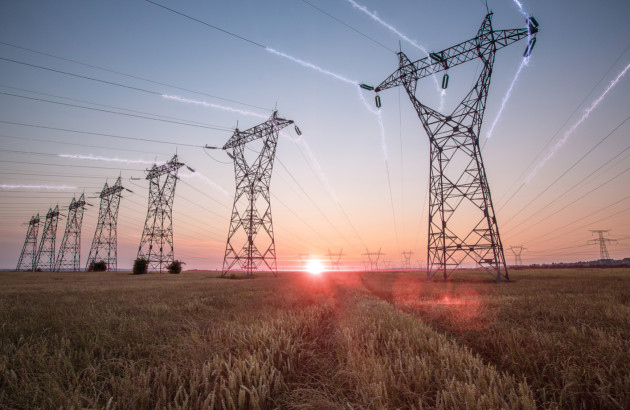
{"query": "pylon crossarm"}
[(453, 56), (274, 124)]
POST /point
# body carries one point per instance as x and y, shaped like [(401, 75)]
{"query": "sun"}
[(314, 267)]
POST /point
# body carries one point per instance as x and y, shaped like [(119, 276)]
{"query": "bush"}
[(140, 266), (100, 266), (175, 267)]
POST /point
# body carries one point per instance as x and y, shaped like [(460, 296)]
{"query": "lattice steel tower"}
[(518, 251), (156, 244), (69, 256), (250, 241), (27, 256), (603, 249), (104, 244), (45, 259), (462, 222)]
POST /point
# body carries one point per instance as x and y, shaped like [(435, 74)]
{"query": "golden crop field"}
[(551, 338)]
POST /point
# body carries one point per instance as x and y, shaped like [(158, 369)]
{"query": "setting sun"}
[(314, 267)]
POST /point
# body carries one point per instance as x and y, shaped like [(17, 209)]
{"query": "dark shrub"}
[(175, 267), (100, 266), (140, 266)]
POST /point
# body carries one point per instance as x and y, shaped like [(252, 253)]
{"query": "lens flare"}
[(105, 159), (211, 105), (314, 267), (567, 134)]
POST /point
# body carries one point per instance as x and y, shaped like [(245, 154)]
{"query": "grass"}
[(343, 340)]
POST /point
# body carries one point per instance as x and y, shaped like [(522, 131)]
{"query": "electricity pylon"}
[(156, 244), (462, 222), (69, 256), (104, 244), (373, 257), (45, 259), (407, 259), (28, 254), (335, 258), (518, 251), (250, 241), (603, 250)]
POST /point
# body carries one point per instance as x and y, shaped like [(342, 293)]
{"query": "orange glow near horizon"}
[(314, 267)]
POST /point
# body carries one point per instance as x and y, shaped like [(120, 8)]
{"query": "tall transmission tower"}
[(335, 258), (45, 259), (407, 259), (69, 256), (518, 251), (250, 241), (28, 254), (373, 257), (462, 222), (104, 244), (156, 244), (603, 249)]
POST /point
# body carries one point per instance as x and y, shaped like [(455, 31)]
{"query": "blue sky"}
[(578, 51)]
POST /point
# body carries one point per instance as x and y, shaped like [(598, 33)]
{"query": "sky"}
[(343, 185)]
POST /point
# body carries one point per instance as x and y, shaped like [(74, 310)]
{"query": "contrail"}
[(379, 118), (506, 97), (106, 159), (315, 163), (312, 66), (207, 180), (520, 7), (404, 37), (38, 187), (211, 105), (567, 134)]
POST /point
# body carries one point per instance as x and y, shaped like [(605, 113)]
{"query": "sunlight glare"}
[(314, 267)]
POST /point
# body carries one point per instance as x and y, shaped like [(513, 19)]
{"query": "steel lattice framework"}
[(518, 251), (250, 241), (604, 256), (156, 244), (27, 256), (104, 244), (45, 259), (69, 256), (459, 195)]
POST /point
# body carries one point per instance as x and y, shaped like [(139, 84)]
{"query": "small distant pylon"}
[(603, 250), (69, 256), (407, 259), (45, 259), (517, 251), (156, 244), (335, 258), (26, 262), (373, 258), (104, 244)]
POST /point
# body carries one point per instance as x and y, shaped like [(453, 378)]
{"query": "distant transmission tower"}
[(462, 222), (250, 241), (104, 244), (69, 256), (603, 250), (373, 257), (28, 254), (45, 259), (407, 259), (517, 251), (335, 258), (156, 244)]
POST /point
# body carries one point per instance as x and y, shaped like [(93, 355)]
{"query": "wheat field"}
[(548, 339)]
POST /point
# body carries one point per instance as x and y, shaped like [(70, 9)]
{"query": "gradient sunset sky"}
[(140, 52)]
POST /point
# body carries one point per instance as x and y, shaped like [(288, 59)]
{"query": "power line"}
[(207, 24), (101, 134), (113, 112), (111, 106), (349, 26), (563, 125), (133, 76)]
